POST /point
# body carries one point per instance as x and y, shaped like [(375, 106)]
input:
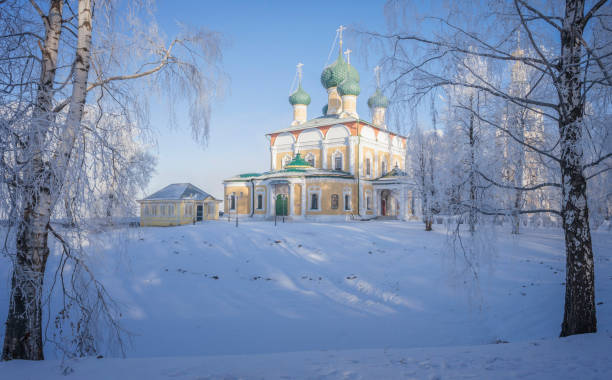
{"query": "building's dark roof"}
[(179, 191)]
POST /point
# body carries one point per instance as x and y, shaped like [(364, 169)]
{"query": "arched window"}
[(338, 161), (383, 168), (334, 201), (368, 167), (314, 201), (286, 160), (232, 202), (347, 202), (259, 201)]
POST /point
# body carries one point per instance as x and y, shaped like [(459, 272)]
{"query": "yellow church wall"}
[(242, 204), (345, 161), (327, 189), (297, 199), (279, 158), (317, 154), (383, 156)]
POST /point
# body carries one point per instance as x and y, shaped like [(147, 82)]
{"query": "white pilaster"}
[(271, 203), (351, 153), (290, 200), (304, 195), (272, 158), (324, 155), (375, 171)]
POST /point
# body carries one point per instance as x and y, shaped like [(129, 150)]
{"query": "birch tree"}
[(570, 51), (73, 78)]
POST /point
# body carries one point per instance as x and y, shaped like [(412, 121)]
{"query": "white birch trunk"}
[(23, 333)]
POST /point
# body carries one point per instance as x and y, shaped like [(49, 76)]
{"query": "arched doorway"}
[(281, 199), (384, 202)]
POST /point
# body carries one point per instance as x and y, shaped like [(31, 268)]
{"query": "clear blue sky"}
[(266, 41)]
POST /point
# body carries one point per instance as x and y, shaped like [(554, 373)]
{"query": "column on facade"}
[(404, 204), (350, 154), (273, 158), (304, 197), (375, 196), (270, 190), (375, 164), (324, 155), (291, 200)]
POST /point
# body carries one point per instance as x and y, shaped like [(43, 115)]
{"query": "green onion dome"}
[(335, 73), (325, 110), (349, 87), (299, 97), (378, 100)]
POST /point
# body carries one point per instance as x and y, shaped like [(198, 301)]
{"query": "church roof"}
[(302, 171), (179, 191), (326, 120), (396, 175), (319, 122)]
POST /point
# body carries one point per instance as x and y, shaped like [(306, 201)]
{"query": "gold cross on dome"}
[(340, 30), (299, 70), (348, 52)]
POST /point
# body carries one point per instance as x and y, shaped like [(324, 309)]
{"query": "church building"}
[(332, 167)]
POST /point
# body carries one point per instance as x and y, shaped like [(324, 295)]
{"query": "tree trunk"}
[(23, 333), (472, 177), (516, 219), (579, 316)]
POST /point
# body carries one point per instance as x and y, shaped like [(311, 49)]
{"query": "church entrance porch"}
[(388, 204), (280, 198)]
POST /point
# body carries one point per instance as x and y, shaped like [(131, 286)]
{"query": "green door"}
[(282, 206)]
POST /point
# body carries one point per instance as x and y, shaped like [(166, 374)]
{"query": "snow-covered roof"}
[(179, 191), (302, 172), (319, 122)]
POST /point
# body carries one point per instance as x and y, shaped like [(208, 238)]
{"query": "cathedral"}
[(332, 167)]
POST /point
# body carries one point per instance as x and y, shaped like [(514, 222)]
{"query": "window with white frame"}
[(154, 210), (383, 168), (162, 210), (310, 158), (314, 201), (259, 201), (188, 210), (286, 160), (171, 210), (232, 202), (146, 210), (368, 167), (338, 161), (334, 201), (368, 200)]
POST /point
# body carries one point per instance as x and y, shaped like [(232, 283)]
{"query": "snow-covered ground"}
[(378, 299)]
